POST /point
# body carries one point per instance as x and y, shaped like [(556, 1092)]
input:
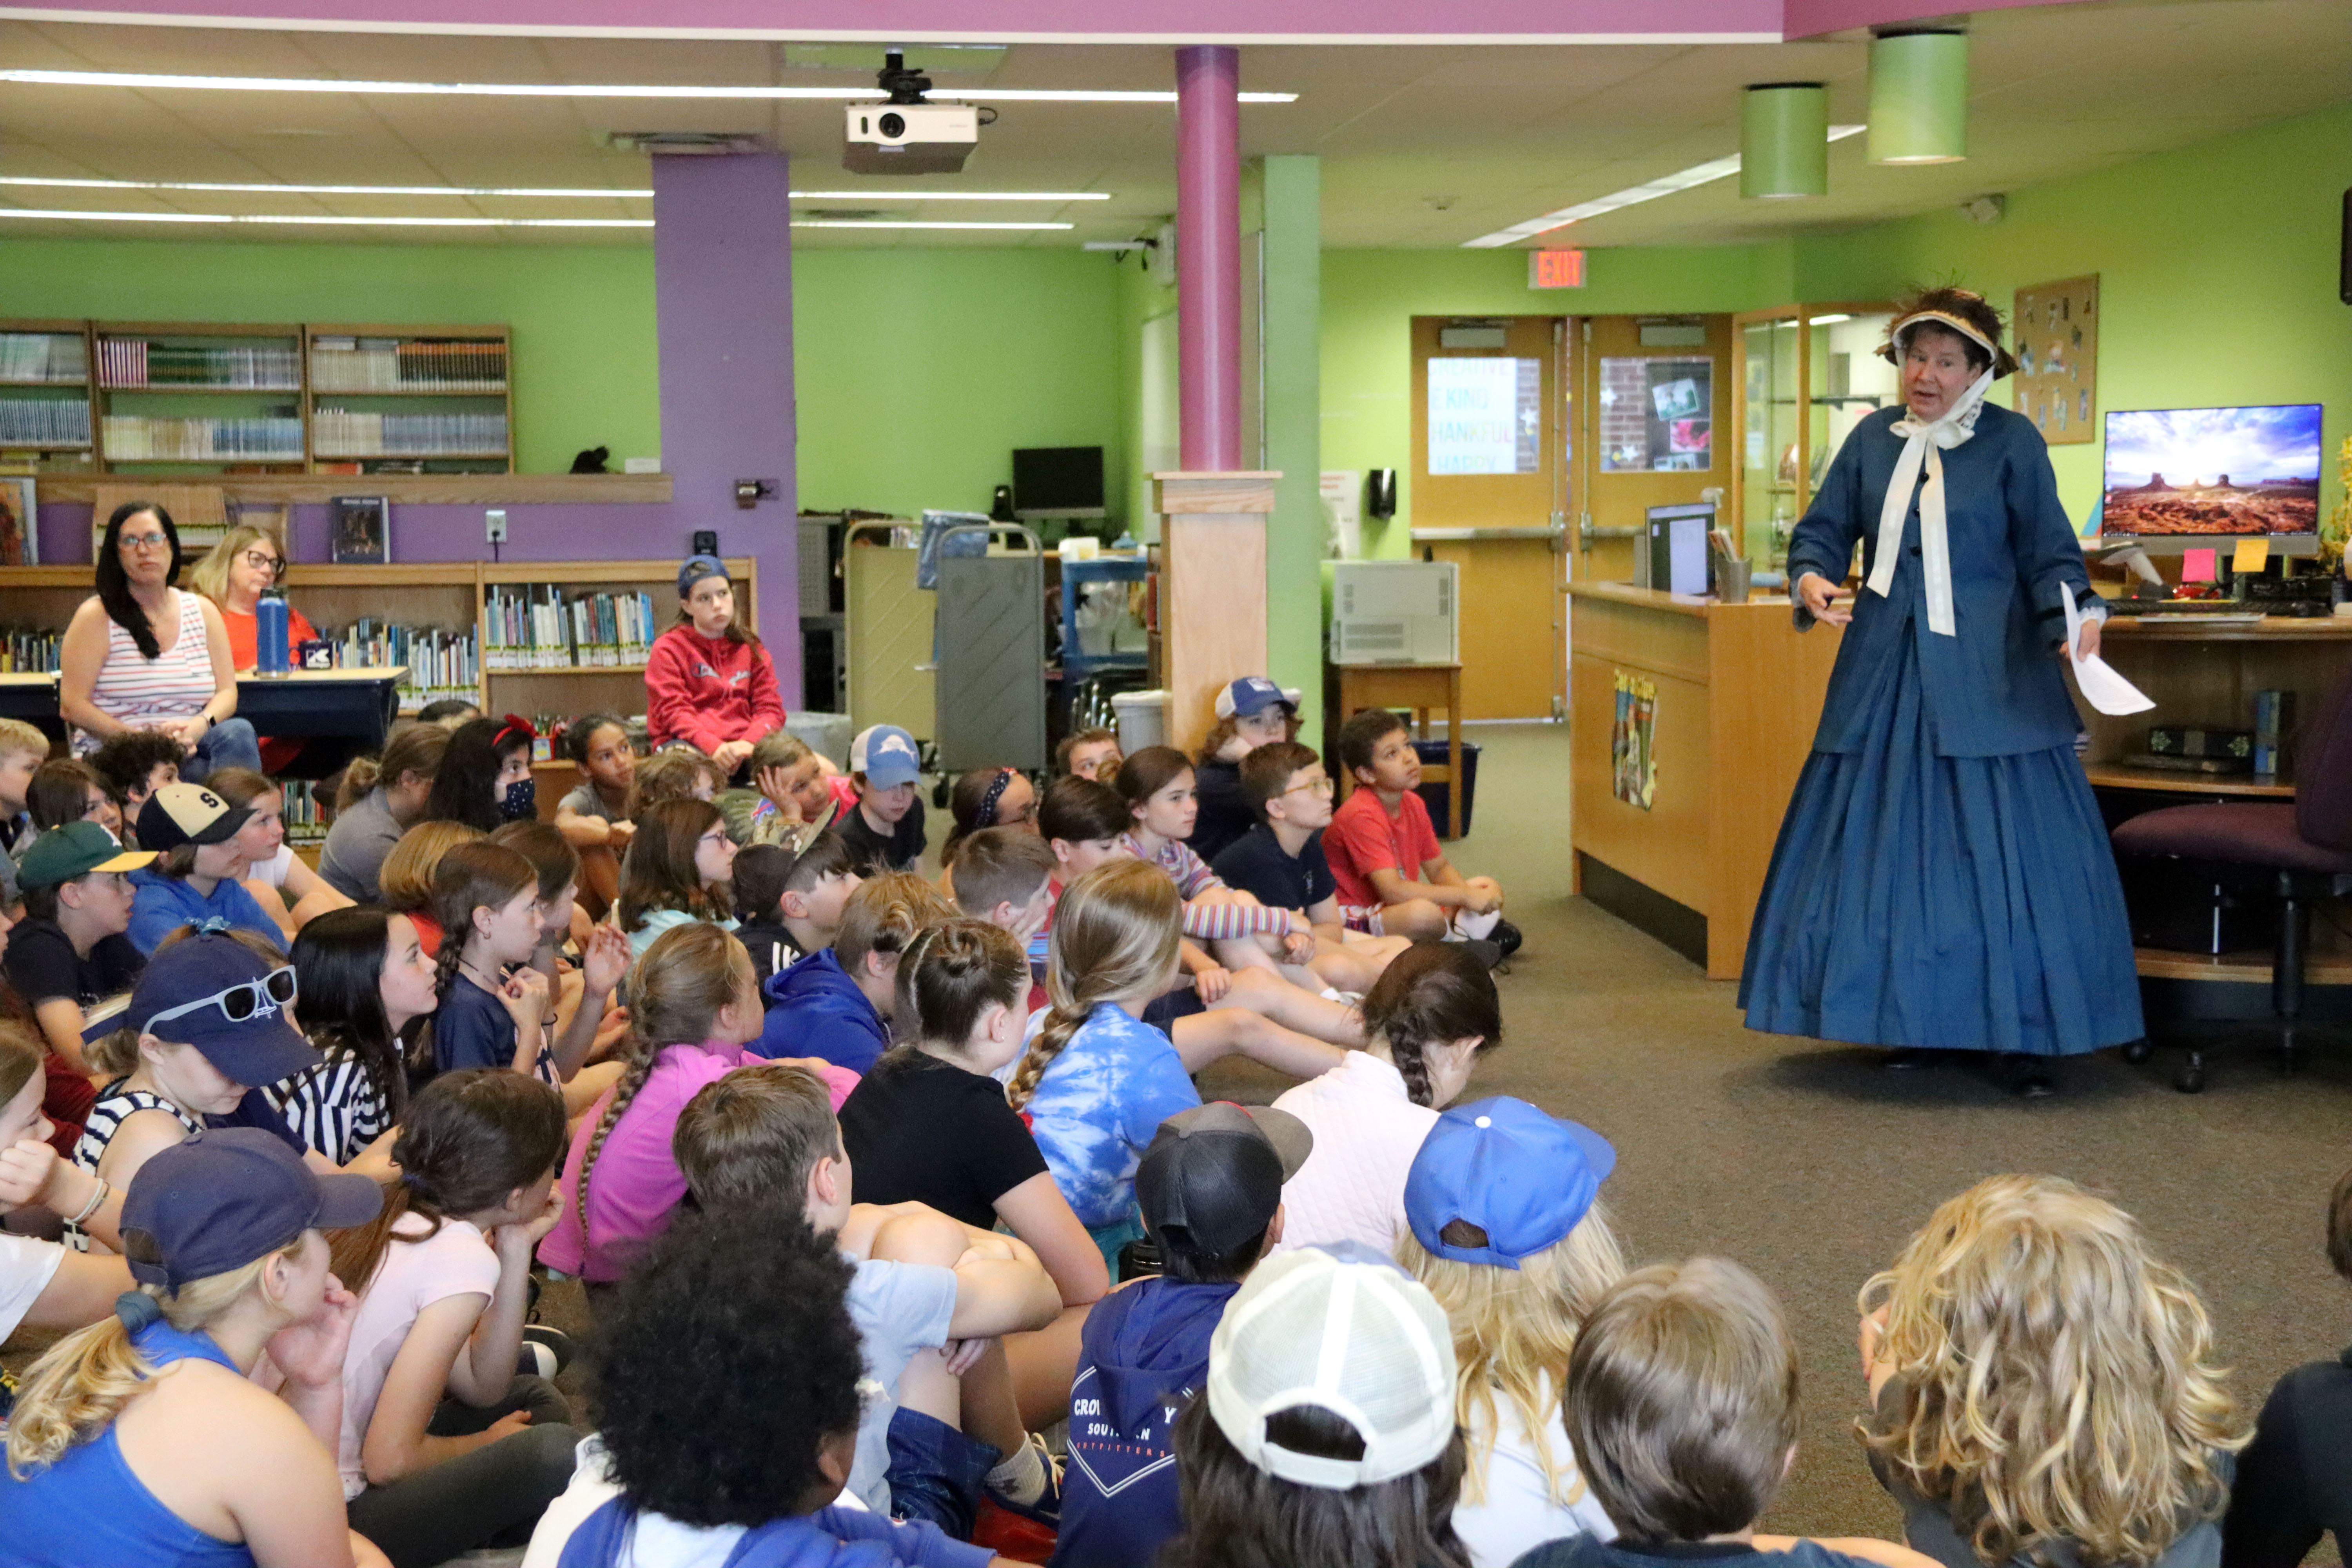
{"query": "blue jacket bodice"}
[(1996, 687)]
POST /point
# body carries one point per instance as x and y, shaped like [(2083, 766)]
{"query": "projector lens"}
[(893, 125)]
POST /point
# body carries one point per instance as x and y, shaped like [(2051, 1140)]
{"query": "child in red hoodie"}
[(708, 679)]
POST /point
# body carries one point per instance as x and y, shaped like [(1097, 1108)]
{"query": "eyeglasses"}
[(1320, 786), (715, 836), (143, 541), (250, 999), (262, 561)]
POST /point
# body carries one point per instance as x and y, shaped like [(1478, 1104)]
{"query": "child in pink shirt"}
[(694, 1004)]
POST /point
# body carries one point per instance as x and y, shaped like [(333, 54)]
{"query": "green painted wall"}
[(1293, 187), (582, 318), (2217, 271)]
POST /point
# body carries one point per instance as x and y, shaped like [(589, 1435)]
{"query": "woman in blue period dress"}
[(1942, 878)]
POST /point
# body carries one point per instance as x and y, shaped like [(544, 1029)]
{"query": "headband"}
[(986, 815), (508, 726)]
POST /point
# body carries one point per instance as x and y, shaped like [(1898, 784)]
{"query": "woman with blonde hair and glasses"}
[(2042, 1387), (247, 563)]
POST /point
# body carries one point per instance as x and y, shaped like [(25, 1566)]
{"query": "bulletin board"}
[(2056, 333)]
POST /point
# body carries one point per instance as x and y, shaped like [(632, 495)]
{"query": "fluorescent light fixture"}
[(585, 194), (1632, 195), (1825, 321), (157, 79), (317, 220)]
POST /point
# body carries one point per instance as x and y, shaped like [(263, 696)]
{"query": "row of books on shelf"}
[(135, 362), (540, 626), (43, 356), (440, 663), (269, 439), (388, 364), (44, 422), (306, 820), (30, 652), (346, 433)]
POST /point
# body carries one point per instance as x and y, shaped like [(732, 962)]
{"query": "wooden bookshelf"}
[(55, 451), (381, 375), (447, 596)]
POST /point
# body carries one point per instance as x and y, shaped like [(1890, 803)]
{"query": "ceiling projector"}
[(904, 134)]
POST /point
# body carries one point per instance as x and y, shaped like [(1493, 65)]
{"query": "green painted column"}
[(1294, 431)]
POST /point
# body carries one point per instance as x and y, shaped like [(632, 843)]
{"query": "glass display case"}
[(1803, 376)]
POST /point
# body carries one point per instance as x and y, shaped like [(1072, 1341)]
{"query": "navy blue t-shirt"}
[(1257, 864), (473, 1030)]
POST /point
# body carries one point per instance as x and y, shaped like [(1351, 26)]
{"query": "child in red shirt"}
[(1392, 875), (708, 679)]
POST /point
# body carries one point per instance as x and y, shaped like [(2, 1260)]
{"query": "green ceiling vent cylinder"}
[(1784, 140), (1920, 98)]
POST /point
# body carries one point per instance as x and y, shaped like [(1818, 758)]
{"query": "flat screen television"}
[(2177, 477), (1058, 481)]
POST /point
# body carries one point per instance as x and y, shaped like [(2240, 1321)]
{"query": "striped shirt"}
[(334, 1108), (116, 1106), (1206, 922), (146, 692)]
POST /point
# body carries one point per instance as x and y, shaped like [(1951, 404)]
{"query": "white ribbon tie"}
[(1921, 444)]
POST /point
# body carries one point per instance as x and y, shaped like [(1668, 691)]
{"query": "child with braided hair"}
[(1096, 1081), (486, 898), (1431, 1012), (693, 1003)]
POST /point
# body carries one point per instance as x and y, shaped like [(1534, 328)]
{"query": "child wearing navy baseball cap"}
[(1505, 1227), (223, 1237), (1251, 713), (708, 679)]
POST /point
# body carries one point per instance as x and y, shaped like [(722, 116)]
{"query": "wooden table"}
[(1420, 687)]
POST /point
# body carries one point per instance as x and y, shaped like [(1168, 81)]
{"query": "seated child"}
[(674, 772), (885, 832), (582, 992), (1211, 1191), (1280, 861), (22, 750), (1088, 755), (1429, 1016), (692, 1006), (2290, 1487), (362, 979), (44, 1284), (134, 765), (678, 870), (197, 875), (68, 952), (793, 789), (748, 1325), (179, 1065), (837, 1005), (231, 1259), (593, 818), (928, 1441), (2107, 1435), (1392, 875), (449, 712), (1680, 1401), (1251, 713), (485, 777), (1096, 1082), (1325, 1438), (281, 882), (1006, 878), (408, 873), (68, 789), (1509, 1233), (790, 897), (444, 1447), (494, 1009), (985, 798)]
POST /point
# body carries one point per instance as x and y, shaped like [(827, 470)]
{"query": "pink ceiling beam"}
[(1209, 258), (1041, 21)]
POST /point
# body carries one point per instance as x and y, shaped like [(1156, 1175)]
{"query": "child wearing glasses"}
[(679, 870), (207, 1027), (1280, 861)]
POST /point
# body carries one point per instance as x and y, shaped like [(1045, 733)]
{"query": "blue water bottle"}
[(269, 634)]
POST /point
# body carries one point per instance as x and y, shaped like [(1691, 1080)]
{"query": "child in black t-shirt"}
[(791, 901), (885, 832), (927, 1124)]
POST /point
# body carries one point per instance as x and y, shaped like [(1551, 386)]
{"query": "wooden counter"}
[(1739, 692)]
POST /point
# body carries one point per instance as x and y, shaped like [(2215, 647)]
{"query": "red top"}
[(709, 690), (244, 640), (1363, 838)]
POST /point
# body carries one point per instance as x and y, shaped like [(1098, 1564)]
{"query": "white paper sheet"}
[(2102, 687)]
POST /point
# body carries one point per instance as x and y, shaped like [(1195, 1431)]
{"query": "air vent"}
[(705, 143), (845, 215)]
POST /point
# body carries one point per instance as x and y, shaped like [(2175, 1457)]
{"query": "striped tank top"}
[(143, 692), (116, 1105)]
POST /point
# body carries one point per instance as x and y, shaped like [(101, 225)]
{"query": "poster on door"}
[(1486, 415), (1633, 741)]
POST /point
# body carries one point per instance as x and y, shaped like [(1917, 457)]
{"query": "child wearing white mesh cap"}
[(1325, 1438)]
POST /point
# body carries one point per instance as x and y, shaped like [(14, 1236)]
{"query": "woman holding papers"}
[(1942, 880)]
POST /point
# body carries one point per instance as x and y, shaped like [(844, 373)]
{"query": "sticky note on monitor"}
[(2253, 555), (2196, 565)]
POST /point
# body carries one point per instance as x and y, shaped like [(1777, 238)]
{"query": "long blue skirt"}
[(1962, 903)]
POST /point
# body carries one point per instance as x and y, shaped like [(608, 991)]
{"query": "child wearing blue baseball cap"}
[(110, 1463), (1507, 1232), (1251, 713), (708, 679), (885, 832)]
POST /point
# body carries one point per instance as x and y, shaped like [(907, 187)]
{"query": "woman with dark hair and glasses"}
[(143, 655)]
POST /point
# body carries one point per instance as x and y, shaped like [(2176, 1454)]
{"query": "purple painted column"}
[(1208, 257), (723, 306)]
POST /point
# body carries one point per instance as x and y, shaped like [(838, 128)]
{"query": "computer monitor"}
[(2178, 479), (1058, 481), (1673, 556)]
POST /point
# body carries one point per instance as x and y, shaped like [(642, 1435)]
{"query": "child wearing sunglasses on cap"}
[(1507, 1232), (207, 1027), (111, 1463)]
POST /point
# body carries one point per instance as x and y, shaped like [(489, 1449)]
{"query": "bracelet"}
[(96, 1199)]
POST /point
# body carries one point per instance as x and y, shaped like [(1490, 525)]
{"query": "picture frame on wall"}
[(20, 526), (360, 531)]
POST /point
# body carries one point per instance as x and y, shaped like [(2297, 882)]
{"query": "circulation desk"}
[(1738, 694)]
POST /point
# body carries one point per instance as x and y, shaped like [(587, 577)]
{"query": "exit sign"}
[(1555, 269)]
